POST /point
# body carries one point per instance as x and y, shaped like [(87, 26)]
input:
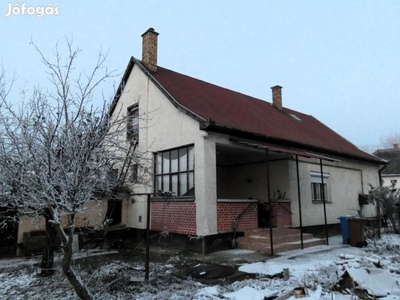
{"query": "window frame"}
[(170, 168), (132, 130), (134, 170), (316, 187)]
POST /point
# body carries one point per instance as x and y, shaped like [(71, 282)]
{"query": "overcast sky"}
[(336, 60)]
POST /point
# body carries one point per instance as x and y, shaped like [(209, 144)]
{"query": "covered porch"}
[(258, 187)]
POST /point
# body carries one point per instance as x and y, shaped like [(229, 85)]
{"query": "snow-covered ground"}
[(374, 269)]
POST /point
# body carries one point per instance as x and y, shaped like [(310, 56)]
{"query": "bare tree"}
[(388, 199), (58, 151), (389, 141)]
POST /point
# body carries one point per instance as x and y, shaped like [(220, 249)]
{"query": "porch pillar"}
[(205, 185)]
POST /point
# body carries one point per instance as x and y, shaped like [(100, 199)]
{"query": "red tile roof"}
[(254, 117)]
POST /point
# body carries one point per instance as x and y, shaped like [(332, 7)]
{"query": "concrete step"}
[(284, 239), (275, 231)]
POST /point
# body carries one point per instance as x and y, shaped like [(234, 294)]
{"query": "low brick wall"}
[(281, 214), (240, 214), (173, 216)]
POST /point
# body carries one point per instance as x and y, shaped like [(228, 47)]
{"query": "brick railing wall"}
[(174, 217), (228, 212), (281, 216)]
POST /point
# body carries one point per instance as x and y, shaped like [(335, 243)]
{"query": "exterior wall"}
[(173, 216), (94, 214), (279, 179), (346, 180), (249, 181), (27, 224), (281, 216), (388, 178), (242, 182), (239, 215), (93, 217), (161, 127)]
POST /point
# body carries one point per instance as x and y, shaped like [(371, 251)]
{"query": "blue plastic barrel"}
[(344, 226)]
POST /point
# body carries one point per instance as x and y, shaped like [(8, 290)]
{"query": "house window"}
[(134, 173), (174, 171), (132, 128), (319, 191)]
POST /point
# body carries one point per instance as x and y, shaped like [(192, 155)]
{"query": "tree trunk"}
[(80, 288), (48, 255)]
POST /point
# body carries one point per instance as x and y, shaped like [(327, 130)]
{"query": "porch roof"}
[(294, 151)]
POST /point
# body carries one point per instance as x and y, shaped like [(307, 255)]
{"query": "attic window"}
[(132, 132), (295, 117)]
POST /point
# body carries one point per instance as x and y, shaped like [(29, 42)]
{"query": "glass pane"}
[(165, 186), (165, 162), (312, 191), (182, 159), (182, 184), (158, 164), (174, 161), (191, 180), (325, 193), (158, 187), (191, 158), (135, 122), (174, 190)]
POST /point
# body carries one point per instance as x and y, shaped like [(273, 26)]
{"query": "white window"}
[(319, 191), (174, 171)]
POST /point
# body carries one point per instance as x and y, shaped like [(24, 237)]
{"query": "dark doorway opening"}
[(114, 211), (8, 231)]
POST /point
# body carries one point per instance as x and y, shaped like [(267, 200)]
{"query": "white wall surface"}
[(346, 180), (163, 127)]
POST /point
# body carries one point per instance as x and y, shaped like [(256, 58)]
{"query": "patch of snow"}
[(317, 269), (208, 292), (246, 293), (376, 282)]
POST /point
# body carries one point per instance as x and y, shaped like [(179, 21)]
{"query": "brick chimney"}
[(149, 49), (277, 96)]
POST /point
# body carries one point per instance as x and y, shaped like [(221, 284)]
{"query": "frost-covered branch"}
[(58, 150)]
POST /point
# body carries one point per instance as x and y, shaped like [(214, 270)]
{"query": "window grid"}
[(174, 171), (132, 129), (316, 191)]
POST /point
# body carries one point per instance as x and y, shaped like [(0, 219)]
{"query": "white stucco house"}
[(232, 162)]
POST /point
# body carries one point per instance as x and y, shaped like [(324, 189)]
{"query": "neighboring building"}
[(230, 161), (391, 173)]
